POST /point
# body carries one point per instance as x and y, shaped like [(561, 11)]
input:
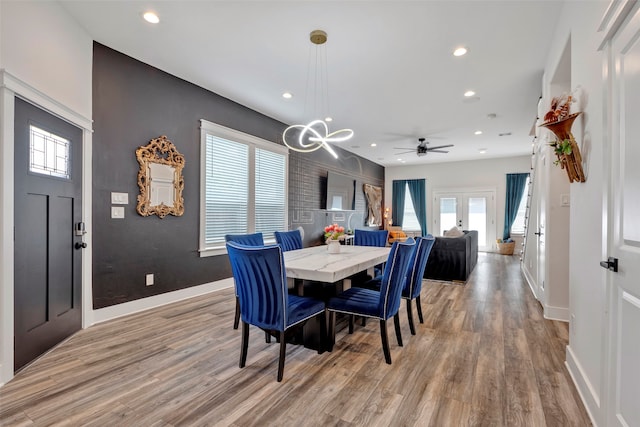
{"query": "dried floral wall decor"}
[(559, 120)]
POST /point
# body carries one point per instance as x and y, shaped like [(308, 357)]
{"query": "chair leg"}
[(283, 352), (385, 341), (410, 317), (267, 337), (331, 336), (364, 321), (419, 306), (245, 344), (396, 323), (351, 321), (236, 320), (322, 345)]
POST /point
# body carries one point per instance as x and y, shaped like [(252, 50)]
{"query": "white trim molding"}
[(113, 312), (587, 392)]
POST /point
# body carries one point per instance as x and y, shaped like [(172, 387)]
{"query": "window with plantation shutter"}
[(244, 186)]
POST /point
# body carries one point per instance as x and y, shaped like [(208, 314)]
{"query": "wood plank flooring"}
[(485, 356)]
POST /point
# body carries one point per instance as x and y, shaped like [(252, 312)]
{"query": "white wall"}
[(45, 57), (41, 44), (489, 173), (585, 353)]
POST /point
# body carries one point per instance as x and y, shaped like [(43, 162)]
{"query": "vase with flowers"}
[(333, 234)]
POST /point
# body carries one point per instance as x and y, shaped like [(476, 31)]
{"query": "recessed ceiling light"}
[(151, 17), (482, 150), (478, 132), (460, 51), (287, 95), (469, 93), (399, 160), (373, 144), (328, 119)]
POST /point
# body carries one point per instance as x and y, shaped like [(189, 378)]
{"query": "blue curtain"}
[(515, 189), (397, 201), (418, 195)]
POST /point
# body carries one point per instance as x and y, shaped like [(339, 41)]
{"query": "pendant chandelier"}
[(315, 134)]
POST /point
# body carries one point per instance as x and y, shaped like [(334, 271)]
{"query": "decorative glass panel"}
[(48, 153)]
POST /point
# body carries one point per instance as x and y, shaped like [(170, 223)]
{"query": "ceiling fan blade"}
[(439, 146), (405, 152), (403, 148), (438, 151)]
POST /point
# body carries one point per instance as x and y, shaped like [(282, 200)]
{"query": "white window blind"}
[(227, 189), (244, 187), (270, 187)]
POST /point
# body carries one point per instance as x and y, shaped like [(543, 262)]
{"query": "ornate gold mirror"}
[(160, 179)]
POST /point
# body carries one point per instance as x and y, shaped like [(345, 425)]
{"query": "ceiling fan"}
[(422, 149)]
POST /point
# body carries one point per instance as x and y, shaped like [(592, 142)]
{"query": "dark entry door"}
[(48, 205)]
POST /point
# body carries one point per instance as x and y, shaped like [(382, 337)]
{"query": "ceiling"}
[(392, 77)]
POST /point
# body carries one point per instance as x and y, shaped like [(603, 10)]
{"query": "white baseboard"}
[(587, 393), (556, 313), (530, 280), (108, 313)]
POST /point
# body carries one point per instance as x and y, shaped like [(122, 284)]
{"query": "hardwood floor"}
[(485, 356)]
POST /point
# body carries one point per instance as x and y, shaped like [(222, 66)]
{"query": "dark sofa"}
[(453, 258)]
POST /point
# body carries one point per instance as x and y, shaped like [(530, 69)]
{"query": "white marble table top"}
[(316, 263)]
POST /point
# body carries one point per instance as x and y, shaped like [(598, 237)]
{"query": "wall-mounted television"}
[(340, 191)]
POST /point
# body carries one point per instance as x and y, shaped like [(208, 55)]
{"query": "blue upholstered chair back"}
[(289, 240), (254, 239), (261, 282), (393, 278), (370, 238), (417, 264)]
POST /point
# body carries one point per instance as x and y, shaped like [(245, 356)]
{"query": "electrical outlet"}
[(149, 279)]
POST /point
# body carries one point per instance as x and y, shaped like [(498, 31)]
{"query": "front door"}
[(471, 210), (624, 227), (48, 206)]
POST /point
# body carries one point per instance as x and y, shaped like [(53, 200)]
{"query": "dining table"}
[(334, 270), (318, 264)]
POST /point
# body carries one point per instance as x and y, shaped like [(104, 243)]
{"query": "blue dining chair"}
[(370, 237), (413, 283), (289, 240), (261, 281), (254, 239), (382, 304)]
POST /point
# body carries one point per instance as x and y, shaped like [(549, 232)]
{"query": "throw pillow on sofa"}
[(453, 232)]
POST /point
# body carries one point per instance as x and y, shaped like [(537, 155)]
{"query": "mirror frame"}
[(159, 150)]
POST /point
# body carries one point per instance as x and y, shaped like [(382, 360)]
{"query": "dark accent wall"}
[(133, 103)]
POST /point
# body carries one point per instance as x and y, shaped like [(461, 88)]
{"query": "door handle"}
[(610, 264), (538, 233), (80, 245)]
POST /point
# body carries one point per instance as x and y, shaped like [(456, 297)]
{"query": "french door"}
[(468, 210)]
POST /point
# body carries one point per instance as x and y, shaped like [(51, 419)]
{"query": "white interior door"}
[(624, 235), (541, 215), (469, 210)]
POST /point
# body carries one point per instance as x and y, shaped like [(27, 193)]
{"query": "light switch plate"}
[(119, 198), (117, 212), (565, 200)]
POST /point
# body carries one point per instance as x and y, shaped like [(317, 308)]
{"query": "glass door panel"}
[(448, 214), (477, 217)]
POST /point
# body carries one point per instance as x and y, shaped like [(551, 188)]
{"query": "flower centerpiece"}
[(333, 232)]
